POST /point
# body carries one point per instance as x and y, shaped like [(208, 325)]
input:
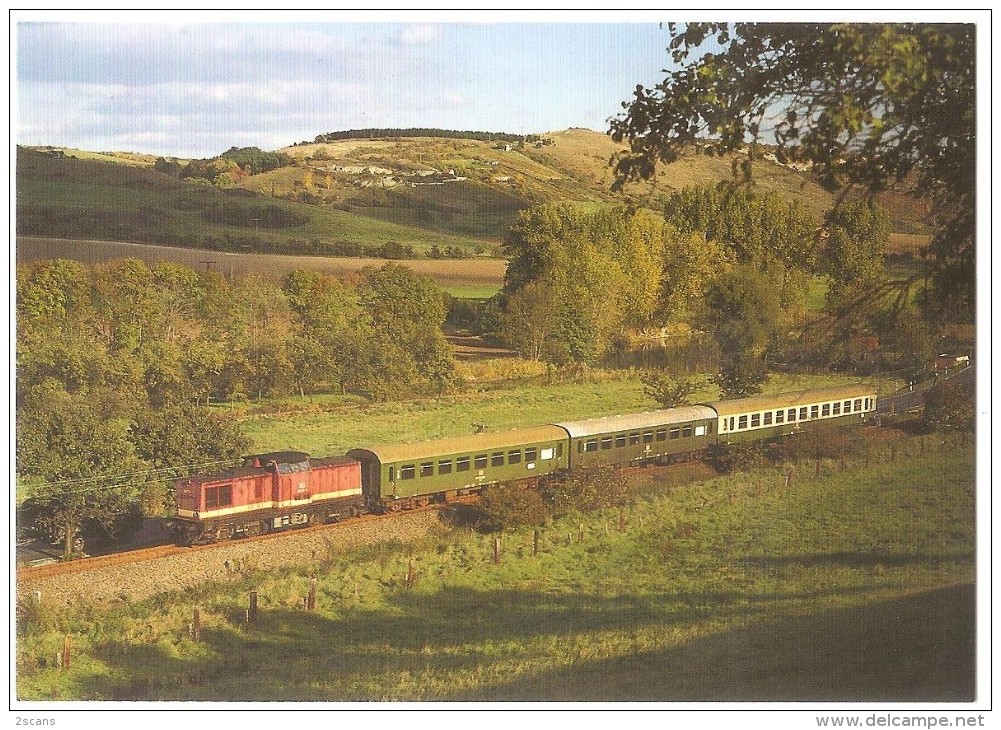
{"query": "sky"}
[(194, 86)]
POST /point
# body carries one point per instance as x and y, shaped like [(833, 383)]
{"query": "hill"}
[(399, 196)]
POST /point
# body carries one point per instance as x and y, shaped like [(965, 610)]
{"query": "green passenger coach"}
[(771, 416), (396, 476), (656, 436)]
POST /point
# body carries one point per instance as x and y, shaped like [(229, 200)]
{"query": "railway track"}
[(31, 573)]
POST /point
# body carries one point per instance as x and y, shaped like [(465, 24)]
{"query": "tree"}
[(858, 233), (63, 440), (740, 376), (528, 320), (871, 106), (669, 392)]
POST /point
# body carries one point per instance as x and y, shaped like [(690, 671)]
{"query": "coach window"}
[(802, 413), (742, 422), (445, 466), (814, 411), (531, 453), (837, 409), (858, 404), (590, 445), (392, 473), (427, 469), (514, 457), (462, 463), (791, 415), (867, 406), (606, 443), (826, 410), (634, 438), (755, 420), (407, 471), (620, 440), (848, 406), (676, 432), (767, 419), (686, 432), (780, 416), (480, 462), (497, 459), (662, 434)]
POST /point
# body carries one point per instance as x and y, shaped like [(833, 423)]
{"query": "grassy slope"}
[(851, 585)]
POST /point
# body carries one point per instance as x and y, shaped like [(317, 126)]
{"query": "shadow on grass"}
[(915, 648)]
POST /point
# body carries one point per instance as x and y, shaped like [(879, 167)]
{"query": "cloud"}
[(420, 35)]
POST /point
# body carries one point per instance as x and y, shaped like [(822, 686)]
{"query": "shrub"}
[(587, 489), (509, 505)]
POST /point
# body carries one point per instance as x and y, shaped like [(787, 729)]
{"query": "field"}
[(848, 581), (471, 278)]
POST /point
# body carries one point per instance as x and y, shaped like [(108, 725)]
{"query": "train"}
[(280, 490)]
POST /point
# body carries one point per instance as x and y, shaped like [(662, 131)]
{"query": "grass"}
[(853, 583), (330, 425)]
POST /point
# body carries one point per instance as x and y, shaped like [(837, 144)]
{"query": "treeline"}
[(730, 264), (227, 169), (118, 363), (423, 132)]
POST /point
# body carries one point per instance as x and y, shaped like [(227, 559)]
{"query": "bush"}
[(508, 505), (586, 490)]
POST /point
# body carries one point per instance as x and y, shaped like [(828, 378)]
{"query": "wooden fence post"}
[(196, 624), (580, 533), (496, 551), (311, 600), (535, 543), (67, 643), (410, 574), (252, 613)]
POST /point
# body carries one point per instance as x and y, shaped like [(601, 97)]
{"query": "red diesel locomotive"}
[(268, 492)]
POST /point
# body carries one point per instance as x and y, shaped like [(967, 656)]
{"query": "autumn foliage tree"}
[(871, 106)]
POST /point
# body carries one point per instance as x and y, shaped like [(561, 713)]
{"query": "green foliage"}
[(868, 105), (740, 376), (858, 234), (255, 161), (668, 391), (743, 311), (503, 506), (587, 490), (952, 404)]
